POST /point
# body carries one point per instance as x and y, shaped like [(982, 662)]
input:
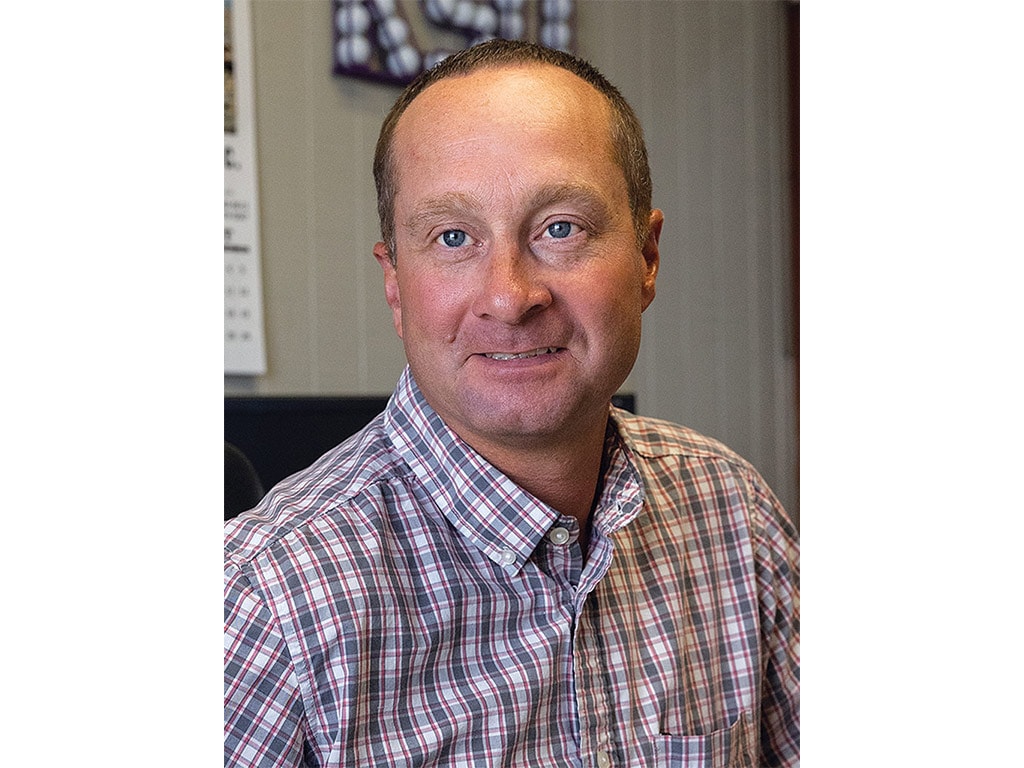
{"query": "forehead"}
[(504, 122), (514, 97)]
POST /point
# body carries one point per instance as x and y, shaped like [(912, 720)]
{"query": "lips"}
[(520, 355)]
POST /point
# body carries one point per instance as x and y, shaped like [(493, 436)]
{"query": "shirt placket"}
[(593, 699)]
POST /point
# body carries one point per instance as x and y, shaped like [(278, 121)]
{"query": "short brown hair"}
[(628, 147)]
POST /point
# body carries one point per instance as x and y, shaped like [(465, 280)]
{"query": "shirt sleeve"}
[(778, 574), (263, 714)]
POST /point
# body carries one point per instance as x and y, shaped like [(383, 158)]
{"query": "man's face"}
[(519, 283)]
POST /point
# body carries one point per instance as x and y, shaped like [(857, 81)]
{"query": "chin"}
[(533, 422)]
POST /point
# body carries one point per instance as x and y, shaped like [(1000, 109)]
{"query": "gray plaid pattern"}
[(400, 603)]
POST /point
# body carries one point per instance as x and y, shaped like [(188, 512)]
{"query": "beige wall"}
[(708, 81)]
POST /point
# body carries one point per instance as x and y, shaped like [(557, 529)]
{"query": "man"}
[(501, 569)]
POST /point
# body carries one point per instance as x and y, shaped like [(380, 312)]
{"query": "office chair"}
[(242, 487)]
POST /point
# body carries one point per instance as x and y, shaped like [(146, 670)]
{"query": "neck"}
[(565, 476)]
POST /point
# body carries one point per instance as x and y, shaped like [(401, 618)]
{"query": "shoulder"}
[(699, 472), (343, 483), (656, 438)]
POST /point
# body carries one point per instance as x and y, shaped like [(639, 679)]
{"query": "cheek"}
[(614, 306), (617, 294), (431, 306)]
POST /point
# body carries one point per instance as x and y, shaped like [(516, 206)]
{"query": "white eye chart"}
[(244, 349)]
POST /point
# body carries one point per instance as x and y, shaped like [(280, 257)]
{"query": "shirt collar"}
[(622, 490), (497, 516)]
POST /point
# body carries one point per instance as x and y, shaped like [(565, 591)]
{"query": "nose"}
[(512, 287)]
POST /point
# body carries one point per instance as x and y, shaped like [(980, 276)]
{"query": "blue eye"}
[(560, 229), (453, 238)]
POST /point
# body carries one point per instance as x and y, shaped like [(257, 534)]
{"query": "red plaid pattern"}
[(401, 603)]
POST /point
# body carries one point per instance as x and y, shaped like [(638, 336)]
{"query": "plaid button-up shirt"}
[(403, 603)]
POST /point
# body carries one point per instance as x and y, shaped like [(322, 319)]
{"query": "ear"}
[(391, 292), (652, 257)]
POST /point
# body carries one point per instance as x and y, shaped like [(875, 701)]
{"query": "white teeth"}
[(521, 355)]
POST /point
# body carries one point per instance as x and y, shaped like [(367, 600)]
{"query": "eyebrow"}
[(427, 212), (590, 198)]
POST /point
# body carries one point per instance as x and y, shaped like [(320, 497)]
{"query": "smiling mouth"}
[(520, 355)]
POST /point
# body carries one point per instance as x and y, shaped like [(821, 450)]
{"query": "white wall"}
[(707, 80)]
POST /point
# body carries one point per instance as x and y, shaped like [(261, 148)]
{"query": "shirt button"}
[(603, 761), (506, 557), (558, 535)]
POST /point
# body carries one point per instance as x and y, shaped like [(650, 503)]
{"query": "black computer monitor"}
[(282, 434)]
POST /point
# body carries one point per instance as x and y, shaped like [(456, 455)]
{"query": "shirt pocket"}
[(732, 747)]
